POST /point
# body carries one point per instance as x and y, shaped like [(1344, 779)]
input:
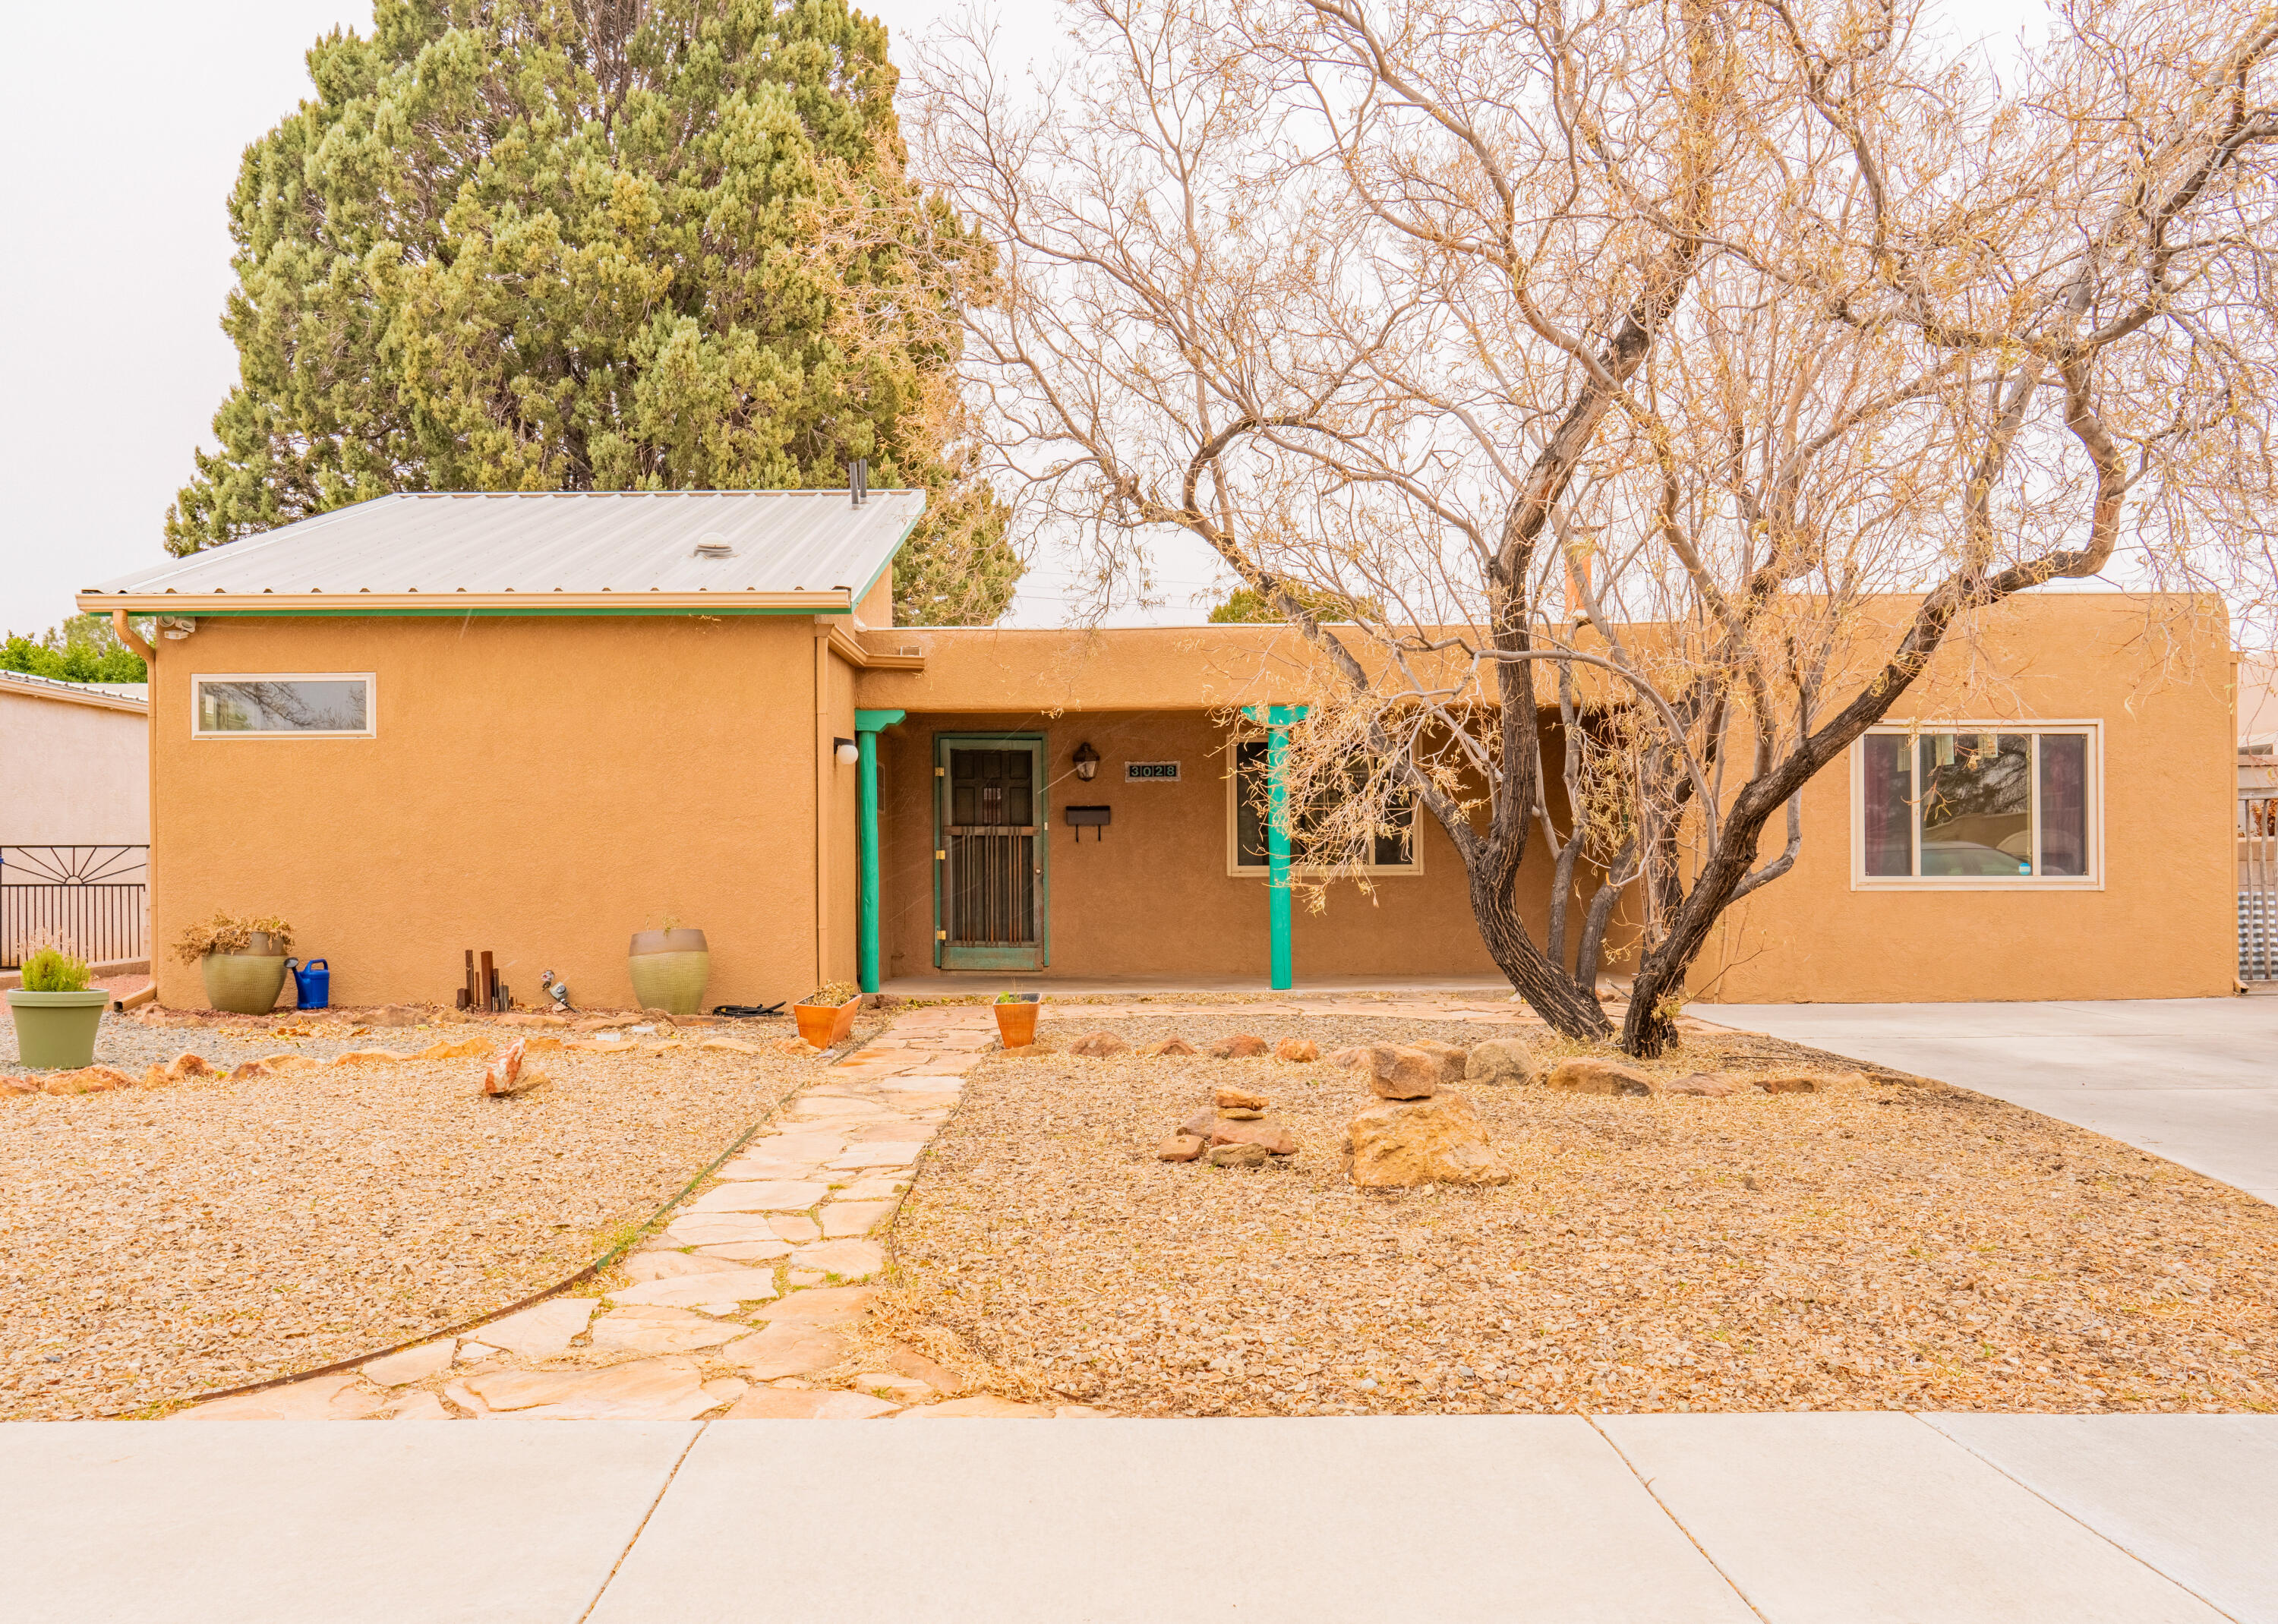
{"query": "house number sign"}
[(1151, 772)]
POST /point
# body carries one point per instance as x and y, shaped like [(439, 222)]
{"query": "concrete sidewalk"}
[(2192, 1080), (1847, 1518)]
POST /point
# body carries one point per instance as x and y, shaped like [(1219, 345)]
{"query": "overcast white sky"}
[(118, 261)]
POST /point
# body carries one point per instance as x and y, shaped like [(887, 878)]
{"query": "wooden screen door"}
[(989, 868)]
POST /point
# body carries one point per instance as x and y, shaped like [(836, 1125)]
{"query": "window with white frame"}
[(1977, 805), (1390, 850), (284, 705)]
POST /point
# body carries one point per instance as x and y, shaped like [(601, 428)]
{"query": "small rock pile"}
[(1233, 1132), (1417, 1135)]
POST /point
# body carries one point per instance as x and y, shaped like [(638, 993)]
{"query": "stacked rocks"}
[(1417, 1135), (1235, 1131)]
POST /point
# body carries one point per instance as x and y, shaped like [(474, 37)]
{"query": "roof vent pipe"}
[(858, 480)]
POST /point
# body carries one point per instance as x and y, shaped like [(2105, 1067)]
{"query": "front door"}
[(988, 808)]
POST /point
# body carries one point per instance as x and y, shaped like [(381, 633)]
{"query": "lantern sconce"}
[(1087, 762)]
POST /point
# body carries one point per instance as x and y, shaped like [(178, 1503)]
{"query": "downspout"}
[(124, 627), (867, 724)]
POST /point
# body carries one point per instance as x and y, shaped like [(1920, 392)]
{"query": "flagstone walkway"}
[(746, 1296)]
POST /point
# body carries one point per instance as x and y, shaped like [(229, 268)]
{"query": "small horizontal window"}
[(1969, 806), (1391, 849), (326, 706)]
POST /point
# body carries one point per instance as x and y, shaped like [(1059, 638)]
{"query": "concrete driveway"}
[(2192, 1080)]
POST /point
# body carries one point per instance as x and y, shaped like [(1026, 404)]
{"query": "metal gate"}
[(92, 901), (2257, 868), (990, 858)]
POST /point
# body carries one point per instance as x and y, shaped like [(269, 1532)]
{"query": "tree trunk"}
[(1564, 1000)]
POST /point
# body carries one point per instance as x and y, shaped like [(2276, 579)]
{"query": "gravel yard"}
[(161, 1242), (1889, 1243)]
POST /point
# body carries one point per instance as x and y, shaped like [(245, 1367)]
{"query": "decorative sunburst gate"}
[(93, 901)]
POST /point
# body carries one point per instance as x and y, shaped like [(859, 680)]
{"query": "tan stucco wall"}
[(71, 774), (542, 787), (2164, 924)]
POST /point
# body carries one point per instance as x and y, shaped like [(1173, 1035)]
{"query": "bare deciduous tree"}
[(1696, 370)]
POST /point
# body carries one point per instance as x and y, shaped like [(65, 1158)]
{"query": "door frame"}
[(991, 959)]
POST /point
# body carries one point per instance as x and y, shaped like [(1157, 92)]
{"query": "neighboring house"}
[(534, 724), (74, 815)]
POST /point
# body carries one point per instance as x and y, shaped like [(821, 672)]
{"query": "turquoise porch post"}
[(1276, 719), (867, 724)]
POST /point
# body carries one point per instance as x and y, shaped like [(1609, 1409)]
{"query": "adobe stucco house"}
[(537, 723), (74, 817)]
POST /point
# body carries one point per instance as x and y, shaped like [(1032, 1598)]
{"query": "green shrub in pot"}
[(56, 1014)]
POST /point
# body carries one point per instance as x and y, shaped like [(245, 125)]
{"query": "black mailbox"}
[(1082, 818)]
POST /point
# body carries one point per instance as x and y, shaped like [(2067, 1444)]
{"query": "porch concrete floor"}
[(2191, 1080), (968, 983)]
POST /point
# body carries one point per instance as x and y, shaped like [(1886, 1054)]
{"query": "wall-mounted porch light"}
[(1087, 762), (847, 751)]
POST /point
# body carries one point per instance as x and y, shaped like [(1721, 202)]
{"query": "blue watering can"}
[(312, 983)]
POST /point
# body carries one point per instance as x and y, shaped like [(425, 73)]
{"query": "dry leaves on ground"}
[(1889, 1244)]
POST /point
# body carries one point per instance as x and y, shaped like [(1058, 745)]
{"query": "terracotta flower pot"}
[(670, 969), (244, 983), (1016, 1022), (55, 1031), (822, 1025)]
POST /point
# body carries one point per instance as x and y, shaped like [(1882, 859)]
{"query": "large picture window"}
[(1970, 806), (332, 705), (1392, 850)]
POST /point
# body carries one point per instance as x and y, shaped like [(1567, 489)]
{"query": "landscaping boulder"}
[(250, 1069), (1199, 1124), (1707, 1084), (1243, 1154), (1270, 1137), (1240, 1046), (1168, 1046), (1345, 1056), (465, 1048), (1594, 1076), (1502, 1060), (1180, 1147), (1439, 1140), (1402, 1073), (186, 1065), (1098, 1045), (507, 1074), (1800, 1082), (1452, 1057), (1238, 1099), (394, 1015), (1298, 1050)]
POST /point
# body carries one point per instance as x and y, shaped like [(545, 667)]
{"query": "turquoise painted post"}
[(1276, 719), (867, 724)]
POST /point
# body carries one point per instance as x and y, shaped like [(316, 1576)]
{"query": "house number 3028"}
[(1151, 772)]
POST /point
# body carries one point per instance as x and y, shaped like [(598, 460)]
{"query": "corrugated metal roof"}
[(108, 695), (785, 548)]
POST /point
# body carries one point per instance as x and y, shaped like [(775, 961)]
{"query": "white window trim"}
[(2092, 880), (1236, 869), (369, 680)]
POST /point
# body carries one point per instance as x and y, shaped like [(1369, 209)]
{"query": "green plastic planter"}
[(243, 983), (55, 1031), (670, 969)]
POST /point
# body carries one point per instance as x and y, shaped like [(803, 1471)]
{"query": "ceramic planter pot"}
[(245, 983), (670, 969), (1016, 1022), (55, 1031), (822, 1025)]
